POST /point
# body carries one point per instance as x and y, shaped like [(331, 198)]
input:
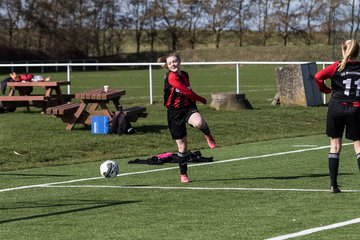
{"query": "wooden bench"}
[(64, 111), (133, 113), (12, 102), (37, 100), (22, 98)]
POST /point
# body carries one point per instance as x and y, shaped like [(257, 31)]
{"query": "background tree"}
[(263, 20), (74, 20), (283, 15), (10, 17), (357, 18), (311, 12), (352, 18), (110, 26), (138, 10), (193, 12), (242, 8), (332, 7), (219, 13), (151, 19), (173, 20)]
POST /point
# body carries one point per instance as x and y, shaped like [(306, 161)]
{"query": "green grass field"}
[(251, 191), (32, 134), (268, 179)]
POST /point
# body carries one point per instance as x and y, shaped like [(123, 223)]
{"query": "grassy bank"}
[(261, 53)]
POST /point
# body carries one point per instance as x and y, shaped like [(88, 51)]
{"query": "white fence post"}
[(237, 78), (151, 84), (68, 77)]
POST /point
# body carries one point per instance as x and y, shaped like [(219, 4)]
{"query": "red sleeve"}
[(176, 82), (324, 74)]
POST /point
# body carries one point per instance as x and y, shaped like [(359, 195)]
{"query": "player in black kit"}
[(344, 105)]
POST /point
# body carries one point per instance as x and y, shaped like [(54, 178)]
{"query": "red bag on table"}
[(26, 77)]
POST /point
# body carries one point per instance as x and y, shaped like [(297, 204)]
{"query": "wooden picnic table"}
[(51, 97), (94, 103)]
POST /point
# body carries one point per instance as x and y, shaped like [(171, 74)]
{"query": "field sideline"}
[(274, 189)]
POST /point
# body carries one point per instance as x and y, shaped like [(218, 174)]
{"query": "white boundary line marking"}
[(304, 146), (318, 229), (195, 188), (170, 168)]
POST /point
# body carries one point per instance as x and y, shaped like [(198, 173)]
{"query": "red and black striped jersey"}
[(345, 85), (177, 91)]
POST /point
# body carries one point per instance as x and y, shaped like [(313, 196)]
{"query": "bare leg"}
[(357, 146), (335, 145), (357, 151), (182, 145), (198, 122)]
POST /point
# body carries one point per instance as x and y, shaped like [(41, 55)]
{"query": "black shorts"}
[(341, 116), (177, 119)]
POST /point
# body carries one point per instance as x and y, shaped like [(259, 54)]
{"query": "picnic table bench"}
[(26, 98), (94, 103), (133, 113)]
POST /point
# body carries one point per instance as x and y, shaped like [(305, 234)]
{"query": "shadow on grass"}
[(139, 129), (92, 205), (274, 177), (151, 128), (35, 175), (24, 110)]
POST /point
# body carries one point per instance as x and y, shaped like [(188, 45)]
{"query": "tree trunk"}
[(217, 39), (286, 22), (265, 22)]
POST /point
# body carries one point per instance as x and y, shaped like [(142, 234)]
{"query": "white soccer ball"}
[(109, 169)]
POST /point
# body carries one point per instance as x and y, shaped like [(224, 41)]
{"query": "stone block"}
[(296, 85), (229, 101)]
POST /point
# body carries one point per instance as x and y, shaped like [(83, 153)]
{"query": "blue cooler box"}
[(99, 124)]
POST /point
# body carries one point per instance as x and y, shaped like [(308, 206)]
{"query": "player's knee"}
[(199, 125), (335, 148)]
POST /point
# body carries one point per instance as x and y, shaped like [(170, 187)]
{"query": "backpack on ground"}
[(120, 125)]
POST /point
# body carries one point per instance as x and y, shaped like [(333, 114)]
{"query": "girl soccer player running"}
[(180, 101), (344, 105)]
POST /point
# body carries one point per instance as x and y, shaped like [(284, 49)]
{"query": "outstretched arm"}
[(175, 81)]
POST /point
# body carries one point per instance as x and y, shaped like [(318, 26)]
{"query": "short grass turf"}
[(247, 193)]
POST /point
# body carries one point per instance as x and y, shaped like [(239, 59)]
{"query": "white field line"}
[(305, 146), (170, 168), (195, 188), (313, 230)]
